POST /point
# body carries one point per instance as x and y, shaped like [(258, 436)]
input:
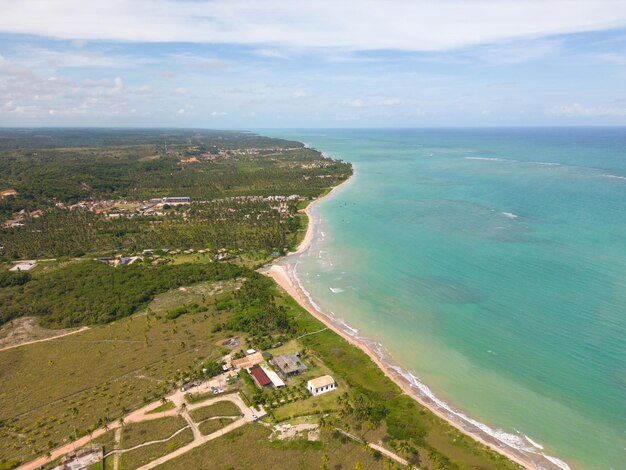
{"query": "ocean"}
[(491, 264)]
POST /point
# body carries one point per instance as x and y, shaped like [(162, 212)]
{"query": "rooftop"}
[(322, 381), (273, 376), (260, 376), (248, 361), (289, 363)]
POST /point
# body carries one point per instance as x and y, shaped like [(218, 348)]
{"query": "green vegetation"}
[(168, 405), (219, 409), (214, 424), (252, 226), (9, 279), (107, 441), (109, 370), (134, 434), (233, 179), (91, 292), (142, 455), (249, 448), (374, 399), (163, 321)]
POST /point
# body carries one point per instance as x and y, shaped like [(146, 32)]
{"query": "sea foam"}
[(511, 440), (617, 177), (491, 159)]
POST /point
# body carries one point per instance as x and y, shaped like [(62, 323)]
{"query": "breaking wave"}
[(513, 441), (490, 159)]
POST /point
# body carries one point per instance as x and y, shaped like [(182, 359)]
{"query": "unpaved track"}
[(140, 415)]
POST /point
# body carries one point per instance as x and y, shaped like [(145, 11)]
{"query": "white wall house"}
[(321, 384)]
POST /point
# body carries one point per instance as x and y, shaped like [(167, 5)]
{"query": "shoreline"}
[(283, 271)]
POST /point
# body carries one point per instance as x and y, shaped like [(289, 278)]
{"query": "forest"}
[(240, 226), (77, 194), (90, 292)]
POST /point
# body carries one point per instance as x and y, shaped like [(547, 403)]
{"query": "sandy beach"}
[(283, 272)]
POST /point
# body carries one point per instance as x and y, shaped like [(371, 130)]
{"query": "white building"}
[(322, 384), (27, 266), (277, 382)]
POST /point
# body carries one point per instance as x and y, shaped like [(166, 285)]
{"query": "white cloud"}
[(218, 113), (356, 103), (296, 95), (576, 110), (79, 43), (271, 53), (360, 103), (518, 53), (426, 25), (611, 58), (180, 111), (38, 57)]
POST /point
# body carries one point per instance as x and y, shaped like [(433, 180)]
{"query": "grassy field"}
[(115, 368), (222, 408), (249, 448), (163, 407), (154, 430), (312, 405), (106, 371), (141, 456), (107, 440), (211, 425)]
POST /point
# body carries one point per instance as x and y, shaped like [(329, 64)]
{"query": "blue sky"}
[(243, 64)]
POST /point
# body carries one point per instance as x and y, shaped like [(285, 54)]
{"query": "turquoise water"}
[(492, 265)]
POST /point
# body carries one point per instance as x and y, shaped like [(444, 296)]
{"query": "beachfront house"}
[(260, 377), (273, 376), (289, 365), (322, 384)]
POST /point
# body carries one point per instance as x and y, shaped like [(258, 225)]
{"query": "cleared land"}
[(220, 409), (250, 448), (141, 456), (213, 424), (137, 433), (109, 371)]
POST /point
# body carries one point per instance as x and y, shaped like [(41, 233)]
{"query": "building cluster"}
[(276, 371), (119, 260), (85, 457), (291, 198)]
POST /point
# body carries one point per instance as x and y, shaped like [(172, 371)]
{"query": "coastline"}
[(283, 271)]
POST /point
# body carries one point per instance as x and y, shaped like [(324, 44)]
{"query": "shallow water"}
[(492, 265)]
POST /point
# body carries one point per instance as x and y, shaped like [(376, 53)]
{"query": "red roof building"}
[(260, 377)]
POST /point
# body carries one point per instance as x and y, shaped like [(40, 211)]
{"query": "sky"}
[(279, 64)]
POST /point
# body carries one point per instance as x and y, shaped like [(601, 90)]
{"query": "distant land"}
[(139, 247)]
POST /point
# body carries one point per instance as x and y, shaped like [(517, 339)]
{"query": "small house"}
[(248, 361), (321, 384), (289, 365), (273, 376), (260, 377)]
